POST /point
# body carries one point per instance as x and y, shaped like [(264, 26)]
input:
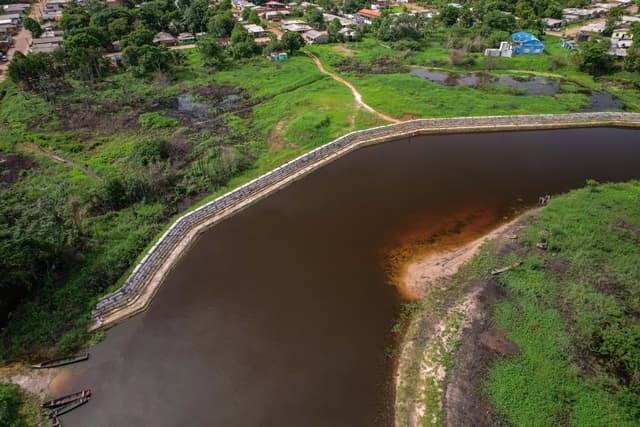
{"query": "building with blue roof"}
[(526, 44)]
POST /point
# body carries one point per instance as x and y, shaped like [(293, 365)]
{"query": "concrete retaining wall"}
[(139, 288)]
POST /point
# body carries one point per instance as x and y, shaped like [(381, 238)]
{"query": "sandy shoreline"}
[(430, 335), (436, 268)]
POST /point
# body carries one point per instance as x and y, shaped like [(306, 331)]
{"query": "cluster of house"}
[(621, 39), (574, 14), (53, 10), (48, 42), (11, 18)]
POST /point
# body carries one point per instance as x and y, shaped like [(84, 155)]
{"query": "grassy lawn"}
[(416, 97), (574, 312)]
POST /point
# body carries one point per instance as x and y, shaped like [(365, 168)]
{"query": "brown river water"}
[(282, 315)]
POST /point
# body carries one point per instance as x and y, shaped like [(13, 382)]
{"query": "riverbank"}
[(445, 304), (138, 290), (19, 407), (531, 343)]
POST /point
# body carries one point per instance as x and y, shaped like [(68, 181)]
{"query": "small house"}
[(113, 3), (593, 27), (315, 37), (164, 38), (505, 50), (186, 38), (348, 34), (622, 39), (47, 40), (296, 26), (274, 5), (553, 24), (56, 4), (254, 30), (275, 15), (526, 44), (567, 44), (277, 56), (366, 16), (8, 29), (16, 8)]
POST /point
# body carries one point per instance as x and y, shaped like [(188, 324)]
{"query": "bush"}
[(11, 401), (157, 120)]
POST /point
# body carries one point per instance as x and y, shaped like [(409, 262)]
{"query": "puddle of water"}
[(186, 104)]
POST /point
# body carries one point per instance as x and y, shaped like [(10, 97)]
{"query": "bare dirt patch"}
[(12, 164), (35, 381), (275, 139), (342, 49), (406, 117), (463, 400)]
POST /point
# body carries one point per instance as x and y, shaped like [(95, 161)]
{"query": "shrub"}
[(157, 120), (11, 401)]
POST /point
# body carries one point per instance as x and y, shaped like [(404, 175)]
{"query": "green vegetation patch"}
[(574, 310), (157, 120), (17, 409)]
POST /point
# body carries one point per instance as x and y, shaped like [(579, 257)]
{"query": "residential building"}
[(526, 44), (553, 24), (186, 38), (165, 39), (366, 16), (504, 50), (315, 37), (349, 34), (254, 30), (277, 56)]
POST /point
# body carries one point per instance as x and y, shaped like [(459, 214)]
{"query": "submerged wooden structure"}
[(54, 363)]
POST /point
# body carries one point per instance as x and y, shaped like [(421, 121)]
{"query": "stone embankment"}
[(139, 288)]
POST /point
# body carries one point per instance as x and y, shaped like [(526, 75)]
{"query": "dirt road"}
[(22, 39), (356, 94)]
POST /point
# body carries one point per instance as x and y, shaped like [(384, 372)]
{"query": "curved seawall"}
[(138, 290)]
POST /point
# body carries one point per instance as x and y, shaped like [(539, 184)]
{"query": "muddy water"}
[(281, 315)]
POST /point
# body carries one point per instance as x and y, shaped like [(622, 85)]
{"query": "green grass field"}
[(574, 312)]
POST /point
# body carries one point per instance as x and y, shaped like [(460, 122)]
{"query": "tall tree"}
[(292, 41), (593, 57), (210, 50), (313, 15), (33, 26), (221, 24)]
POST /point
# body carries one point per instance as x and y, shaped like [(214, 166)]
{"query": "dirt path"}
[(356, 94), (22, 39), (36, 149)]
